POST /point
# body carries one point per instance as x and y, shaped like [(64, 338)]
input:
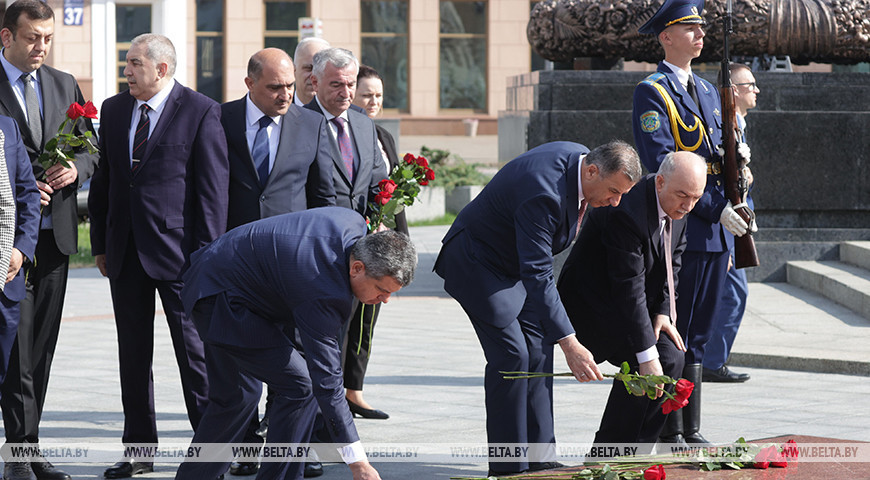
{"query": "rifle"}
[(745, 254)]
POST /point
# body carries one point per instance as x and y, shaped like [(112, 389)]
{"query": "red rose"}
[(383, 197), (387, 185), (672, 405), (683, 389), (790, 451), (409, 158), (430, 174), (423, 182), (90, 111), (654, 473), (75, 111), (768, 456), (421, 161)]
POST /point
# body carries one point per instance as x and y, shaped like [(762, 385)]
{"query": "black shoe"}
[(128, 468), (313, 469), (724, 375), (17, 471), (264, 426), (243, 469), (676, 439), (44, 470), (538, 466), (366, 412), (493, 473)]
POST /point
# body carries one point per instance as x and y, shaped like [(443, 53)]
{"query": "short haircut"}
[(158, 49), (616, 156), (338, 57), (305, 41), (32, 9), (732, 67), (366, 71), (255, 64), (387, 254)]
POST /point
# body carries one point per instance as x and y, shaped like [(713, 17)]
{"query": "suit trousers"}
[(33, 351), (357, 345), (133, 302), (702, 277), (727, 319), (236, 376), (630, 419), (10, 312)]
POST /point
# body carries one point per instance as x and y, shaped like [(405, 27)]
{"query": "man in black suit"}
[(358, 165), (615, 289), (27, 31), (295, 163)]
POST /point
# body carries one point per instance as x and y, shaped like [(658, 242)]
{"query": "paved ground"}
[(426, 371)]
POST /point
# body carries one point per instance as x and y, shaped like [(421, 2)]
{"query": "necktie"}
[(344, 145), (666, 244), (34, 119), (693, 92), (580, 217), (260, 151), (140, 138), (7, 215)]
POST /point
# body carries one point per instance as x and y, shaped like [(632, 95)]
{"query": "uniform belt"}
[(714, 168)]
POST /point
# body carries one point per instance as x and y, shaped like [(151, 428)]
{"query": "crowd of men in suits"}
[(176, 171)]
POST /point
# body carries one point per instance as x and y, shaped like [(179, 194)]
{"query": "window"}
[(463, 54), (385, 47), (282, 24), (210, 48), (130, 22)]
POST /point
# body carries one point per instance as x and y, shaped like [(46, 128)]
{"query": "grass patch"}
[(83, 258), (447, 219)]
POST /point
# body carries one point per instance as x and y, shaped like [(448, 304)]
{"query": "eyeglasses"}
[(751, 85)]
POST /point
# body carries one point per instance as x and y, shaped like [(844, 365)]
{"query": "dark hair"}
[(732, 67), (33, 9), (366, 71), (616, 156), (387, 254)]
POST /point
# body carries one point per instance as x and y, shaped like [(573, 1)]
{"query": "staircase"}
[(845, 281)]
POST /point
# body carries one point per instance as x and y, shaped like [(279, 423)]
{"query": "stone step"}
[(856, 253), (841, 282)]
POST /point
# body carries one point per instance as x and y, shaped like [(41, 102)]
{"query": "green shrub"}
[(451, 171)]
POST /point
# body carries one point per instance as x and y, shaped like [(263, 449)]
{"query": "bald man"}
[(616, 291)]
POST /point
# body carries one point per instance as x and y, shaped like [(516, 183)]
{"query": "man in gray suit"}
[(358, 165), (37, 97)]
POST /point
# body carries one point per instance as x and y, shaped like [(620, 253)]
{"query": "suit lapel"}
[(238, 125), (53, 113), (170, 108), (653, 221), (289, 125), (360, 131), (680, 92), (333, 142), (13, 109), (572, 203)]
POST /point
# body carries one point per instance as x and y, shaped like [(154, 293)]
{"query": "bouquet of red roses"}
[(399, 190), (62, 147)]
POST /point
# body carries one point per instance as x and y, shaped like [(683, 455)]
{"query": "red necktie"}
[(580, 217)]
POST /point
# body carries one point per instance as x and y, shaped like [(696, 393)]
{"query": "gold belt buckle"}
[(714, 168)]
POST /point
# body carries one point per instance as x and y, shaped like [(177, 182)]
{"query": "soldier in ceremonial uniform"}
[(675, 110)]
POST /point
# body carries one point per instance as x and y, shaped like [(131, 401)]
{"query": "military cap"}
[(672, 12)]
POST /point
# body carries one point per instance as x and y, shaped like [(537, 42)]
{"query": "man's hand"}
[(363, 470), (732, 221), (101, 264), (652, 367), (580, 360), (662, 323), (45, 192), (15, 263), (59, 176)]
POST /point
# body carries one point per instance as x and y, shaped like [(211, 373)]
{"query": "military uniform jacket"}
[(666, 119)]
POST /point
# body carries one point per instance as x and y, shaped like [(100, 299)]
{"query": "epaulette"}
[(653, 78)]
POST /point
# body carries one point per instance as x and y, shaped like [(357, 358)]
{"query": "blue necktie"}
[(260, 151)]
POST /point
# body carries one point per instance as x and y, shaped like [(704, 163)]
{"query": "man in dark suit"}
[(27, 31), (19, 230), (298, 166), (159, 193), (294, 159), (497, 262), (358, 164), (674, 109), (615, 289), (258, 287)]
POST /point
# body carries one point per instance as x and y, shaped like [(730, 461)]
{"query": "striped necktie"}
[(140, 138)]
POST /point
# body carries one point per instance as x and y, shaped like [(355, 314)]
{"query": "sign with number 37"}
[(73, 11)]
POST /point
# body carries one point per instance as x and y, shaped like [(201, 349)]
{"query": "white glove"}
[(732, 221), (744, 152), (753, 226)]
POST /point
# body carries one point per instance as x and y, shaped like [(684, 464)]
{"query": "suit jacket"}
[(655, 134), (284, 273), (389, 145), (301, 176), (615, 278), (26, 197), (176, 201), (525, 215), (59, 90), (370, 168)]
